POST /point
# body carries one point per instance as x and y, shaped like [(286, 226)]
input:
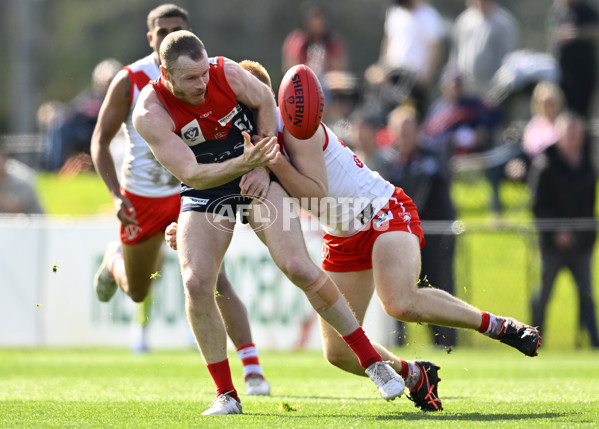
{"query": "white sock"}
[(495, 323), (249, 357), (413, 375)]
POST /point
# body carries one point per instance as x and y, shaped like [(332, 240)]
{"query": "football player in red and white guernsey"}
[(372, 242)]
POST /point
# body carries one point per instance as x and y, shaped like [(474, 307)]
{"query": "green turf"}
[(169, 389), (83, 194)]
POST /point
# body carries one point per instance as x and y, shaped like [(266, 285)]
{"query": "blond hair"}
[(401, 113), (546, 90), (258, 70)]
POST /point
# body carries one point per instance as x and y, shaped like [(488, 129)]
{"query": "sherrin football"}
[(301, 101)]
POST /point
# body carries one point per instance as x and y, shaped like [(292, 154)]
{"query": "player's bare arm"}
[(154, 124), (305, 177), (254, 94), (113, 113)]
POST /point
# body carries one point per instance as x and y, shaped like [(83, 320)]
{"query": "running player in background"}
[(146, 200)]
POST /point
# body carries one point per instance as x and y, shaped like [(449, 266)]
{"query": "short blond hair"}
[(258, 70), (402, 112), (543, 91)]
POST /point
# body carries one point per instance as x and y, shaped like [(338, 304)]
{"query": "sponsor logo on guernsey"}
[(227, 118), (192, 133), (194, 201)]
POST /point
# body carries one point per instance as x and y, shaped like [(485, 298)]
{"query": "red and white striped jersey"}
[(141, 173)]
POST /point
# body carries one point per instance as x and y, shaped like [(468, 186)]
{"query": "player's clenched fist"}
[(170, 235)]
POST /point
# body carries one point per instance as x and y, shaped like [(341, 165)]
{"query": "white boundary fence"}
[(39, 307)]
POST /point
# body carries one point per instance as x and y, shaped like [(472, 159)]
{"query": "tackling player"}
[(372, 242)]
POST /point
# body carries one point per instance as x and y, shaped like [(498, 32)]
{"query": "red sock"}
[(484, 324), (361, 346), (405, 369), (221, 374)]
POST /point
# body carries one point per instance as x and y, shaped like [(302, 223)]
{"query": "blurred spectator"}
[(17, 188), (541, 132), (573, 32), (69, 129), (364, 126), (482, 35), (315, 44), (342, 97), (410, 53), (457, 123), (563, 186), (546, 104), (425, 178)]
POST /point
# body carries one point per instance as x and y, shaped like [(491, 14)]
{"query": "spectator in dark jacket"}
[(563, 184)]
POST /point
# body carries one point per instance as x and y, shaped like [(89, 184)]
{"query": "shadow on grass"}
[(421, 416), (473, 417)]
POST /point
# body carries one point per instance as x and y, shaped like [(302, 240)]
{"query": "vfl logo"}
[(192, 133), (291, 99)]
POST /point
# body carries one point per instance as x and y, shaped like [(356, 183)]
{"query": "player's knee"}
[(402, 310), (198, 289), (342, 359), (138, 296), (137, 290), (299, 270)]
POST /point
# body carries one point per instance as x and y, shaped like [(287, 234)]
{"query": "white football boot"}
[(224, 404), (104, 282), (390, 384), (257, 386)]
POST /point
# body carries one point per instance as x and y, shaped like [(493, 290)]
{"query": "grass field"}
[(101, 388), (484, 384)]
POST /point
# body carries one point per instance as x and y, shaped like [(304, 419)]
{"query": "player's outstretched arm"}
[(154, 124)]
